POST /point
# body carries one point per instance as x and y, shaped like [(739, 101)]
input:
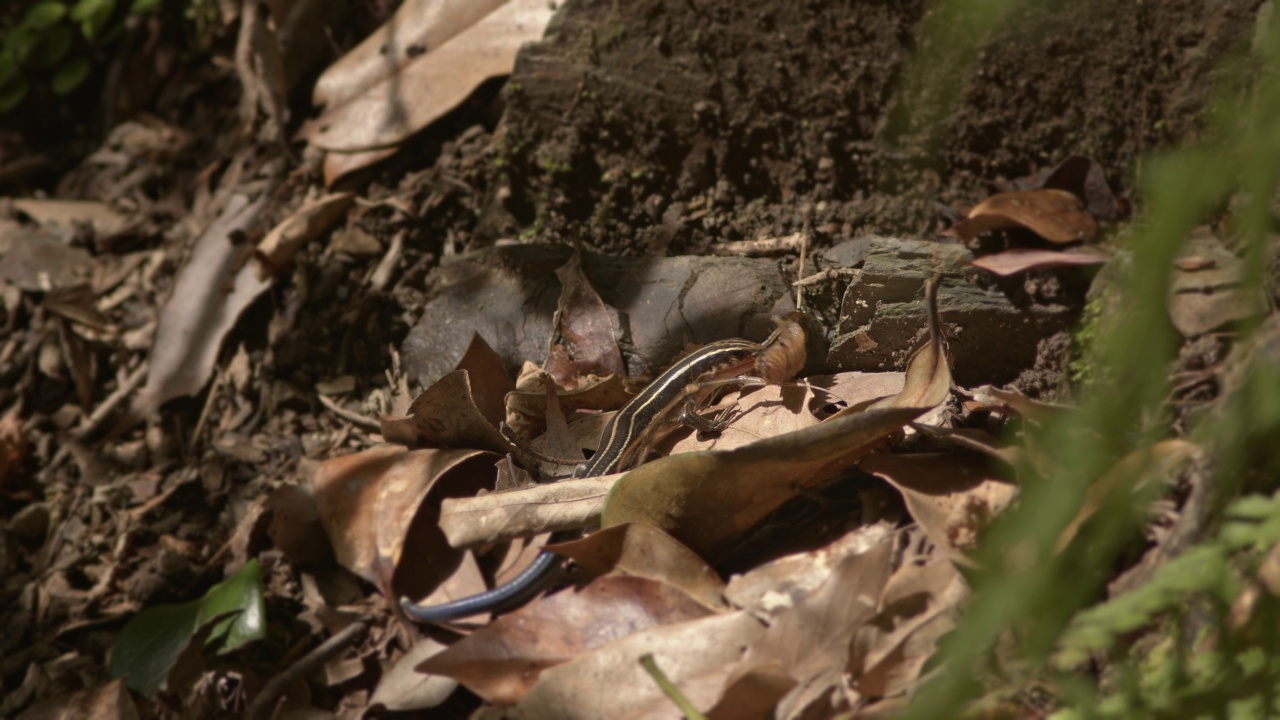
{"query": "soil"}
[(656, 127)]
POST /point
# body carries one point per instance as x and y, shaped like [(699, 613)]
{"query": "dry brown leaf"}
[(1055, 215), (417, 26), (36, 262), (527, 404), (754, 414), (642, 551), (951, 496), (812, 639), (1017, 260), (610, 682), (582, 337), (780, 584), (1080, 175), (202, 308), (373, 505), (338, 165), (386, 113), (62, 217), (502, 661), (490, 383), (918, 606), (928, 376), (446, 415), (404, 687), (308, 222)]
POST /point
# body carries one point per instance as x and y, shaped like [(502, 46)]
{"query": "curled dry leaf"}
[(582, 335), (370, 502), (1017, 260), (527, 405), (490, 383), (501, 662), (446, 415), (308, 222), (643, 551), (1055, 215)]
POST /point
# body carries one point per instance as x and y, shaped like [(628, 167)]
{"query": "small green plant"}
[(53, 42)]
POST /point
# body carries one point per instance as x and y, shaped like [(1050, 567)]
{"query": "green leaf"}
[(150, 644), (53, 47), (20, 41), (45, 14), (153, 640), (70, 76), (241, 594), (141, 7), (92, 16), (12, 93)]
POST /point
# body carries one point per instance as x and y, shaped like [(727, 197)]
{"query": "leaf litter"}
[(126, 525)]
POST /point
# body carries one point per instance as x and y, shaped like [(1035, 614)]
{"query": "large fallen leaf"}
[(919, 605), (643, 551), (202, 308), (417, 26), (1055, 215), (951, 496), (65, 216), (610, 683), (813, 637), (369, 502), (502, 661), (707, 498), (780, 584), (387, 112)]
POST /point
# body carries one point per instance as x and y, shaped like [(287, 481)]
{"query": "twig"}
[(669, 689), (98, 417), (364, 422), (825, 275), (264, 704), (764, 246), (382, 274)]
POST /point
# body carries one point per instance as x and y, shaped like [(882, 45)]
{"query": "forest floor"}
[(213, 319)]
